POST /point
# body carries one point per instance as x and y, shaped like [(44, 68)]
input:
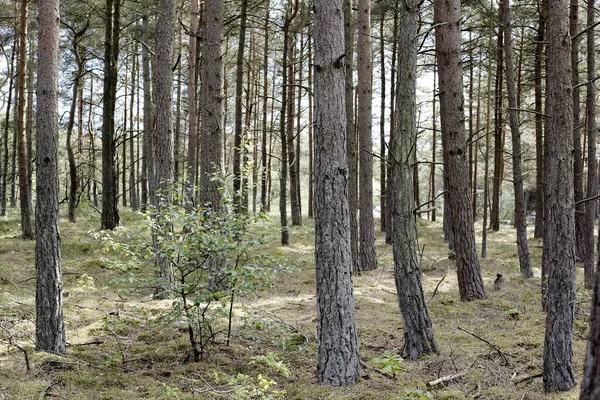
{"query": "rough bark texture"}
[(338, 362), (110, 211), (559, 234), (591, 207), (498, 135), (368, 259), (447, 41), (418, 332), (163, 132), (212, 109), (351, 132), (580, 250), (292, 155), (49, 327), (520, 217)]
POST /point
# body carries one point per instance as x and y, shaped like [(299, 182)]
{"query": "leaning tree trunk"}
[(49, 326), (520, 218), (447, 41), (110, 211), (559, 235), (338, 362), (418, 332), (368, 259)]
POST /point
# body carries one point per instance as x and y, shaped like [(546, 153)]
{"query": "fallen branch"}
[(528, 378), (446, 378), (436, 289), (492, 345)]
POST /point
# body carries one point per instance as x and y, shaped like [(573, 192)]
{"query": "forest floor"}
[(115, 351)]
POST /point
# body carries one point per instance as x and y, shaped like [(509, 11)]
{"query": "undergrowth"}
[(493, 347)]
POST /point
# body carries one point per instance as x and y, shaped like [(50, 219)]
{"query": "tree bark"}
[(3, 175), (447, 40), (539, 120), (110, 211), (338, 362), (351, 147), (591, 207), (147, 156), (49, 327), (498, 136), (24, 193), (559, 235), (418, 332), (520, 218), (368, 259), (211, 169), (238, 134), (265, 103)]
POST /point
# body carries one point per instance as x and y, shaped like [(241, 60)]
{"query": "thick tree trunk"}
[(418, 332), (368, 259), (447, 35), (49, 327), (310, 130), (382, 152), (338, 362), (559, 235), (110, 211), (211, 169), (351, 147), (520, 217)]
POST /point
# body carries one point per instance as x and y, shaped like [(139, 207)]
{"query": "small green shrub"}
[(389, 363), (271, 360)]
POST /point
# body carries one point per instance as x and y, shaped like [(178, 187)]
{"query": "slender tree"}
[(238, 146), (368, 259), (338, 362), (110, 211), (447, 47), (418, 332), (520, 217), (49, 327)]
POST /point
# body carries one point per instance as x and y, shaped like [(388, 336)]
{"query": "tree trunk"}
[(591, 206), (265, 103), (3, 175), (211, 169), (310, 130), (338, 362), (133, 193), (447, 40), (498, 137), (488, 118), (349, 29), (49, 326), (418, 332), (24, 193), (580, 215), (559, 236), (191, 102), (382, 152), (238, 146), (292, 155), (110, 211), (147, 156), (539, 121), (391, 142), (368, 259), (520, 217)]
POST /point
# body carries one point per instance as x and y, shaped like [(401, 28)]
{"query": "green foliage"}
[(247, 388), (271, 360), (212, 257), (513, 313), (389, 363)]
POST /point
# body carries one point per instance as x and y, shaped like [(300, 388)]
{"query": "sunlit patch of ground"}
[(116, 351)]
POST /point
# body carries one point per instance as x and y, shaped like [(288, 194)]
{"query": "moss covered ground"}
[(116, 351)]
